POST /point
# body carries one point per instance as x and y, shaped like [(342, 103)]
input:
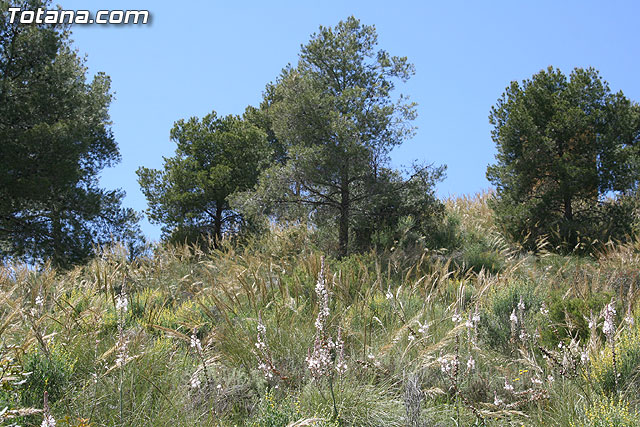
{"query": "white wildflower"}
[(261, 328), (122, 354), (455, 362), (264, 357), (195, 342), (471, 364), (496, 400), (122, 302), (584, 357), (476, 317), (445, 366), (508, 386), (48, 421), (341, 367), (523, 335), (39, 300), (121, 359), (513, 318), (195, 382), (319, 359), (544, 310), (521, 306), (472, 327), (424, 328), (609, 328)]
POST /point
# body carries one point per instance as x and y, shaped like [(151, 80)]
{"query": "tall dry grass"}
[(226, 336)]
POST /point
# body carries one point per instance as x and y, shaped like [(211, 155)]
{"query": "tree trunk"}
[(568, 211), (57, 255), (343, 239), (568, 216), (218, 224)]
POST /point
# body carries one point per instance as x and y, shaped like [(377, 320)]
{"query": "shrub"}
[(12, 377), (477, 256), (274, 412), (608, 412), (50, 373), (627, 362), (572, 314), (495, 325)]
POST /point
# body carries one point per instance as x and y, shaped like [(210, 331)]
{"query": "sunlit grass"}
[(427, 339)]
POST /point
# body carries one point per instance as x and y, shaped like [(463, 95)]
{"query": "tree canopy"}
[(215, 157), (336, 119), (55, 138), (567, 150)]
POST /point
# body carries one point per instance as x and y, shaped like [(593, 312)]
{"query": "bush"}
[(495, 327), (571, 315), (48, 373), (608, 412), (627, 363), (477, 256)]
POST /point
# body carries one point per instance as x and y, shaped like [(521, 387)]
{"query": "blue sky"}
[(210, 55)]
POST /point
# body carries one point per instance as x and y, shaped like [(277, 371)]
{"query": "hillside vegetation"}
[(271, 333)]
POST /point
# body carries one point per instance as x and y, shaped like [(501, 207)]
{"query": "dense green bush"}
[(495, 324), (478, 256), (49, 372), (571, 314), (627, 364)]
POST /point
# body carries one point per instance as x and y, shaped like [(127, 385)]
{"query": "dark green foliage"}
[(9, 390), (334, 121), (49, 372), (495, 325), (55, 138), (215, 157), (476, 255), (564, 146), (448, 235), (572, 316), (401, 211)]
